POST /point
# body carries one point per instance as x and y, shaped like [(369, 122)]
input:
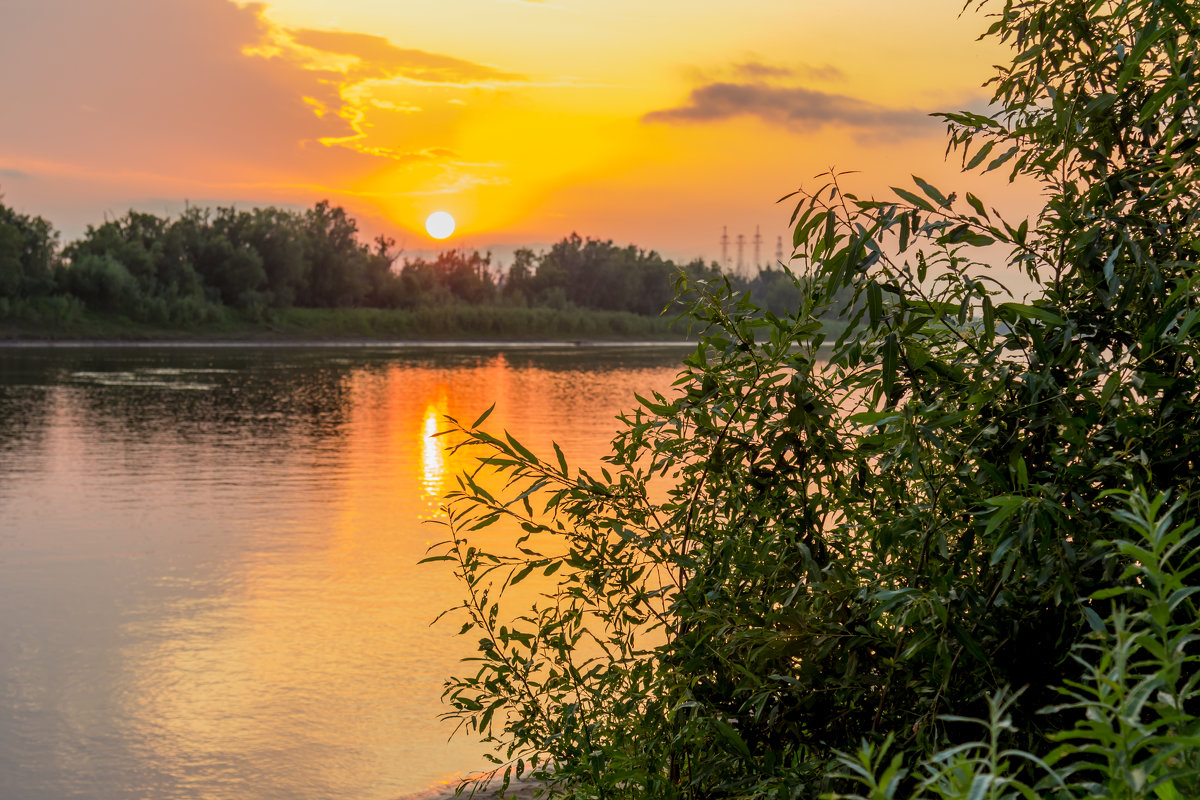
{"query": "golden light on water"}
[(433, 458)]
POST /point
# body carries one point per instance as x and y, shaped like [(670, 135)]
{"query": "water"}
[(208, 577)]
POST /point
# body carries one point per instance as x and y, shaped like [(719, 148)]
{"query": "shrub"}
[(884, 538)]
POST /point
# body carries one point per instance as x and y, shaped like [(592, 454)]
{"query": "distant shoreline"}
[(365, 344), (320, 326)]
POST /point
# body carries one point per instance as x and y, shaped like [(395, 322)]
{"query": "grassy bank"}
[(356, 324)]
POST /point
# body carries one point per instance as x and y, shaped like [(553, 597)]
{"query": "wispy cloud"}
[(755, 70), (794, 107), (376, 57)]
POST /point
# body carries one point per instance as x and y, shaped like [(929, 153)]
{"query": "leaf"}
[(484, 416), (916, 200), (891, 355), (520, 448), (932, 192), (1002, 158), (1009, 311), (976, 204), (975, 161), (874, 417), (1093, 619), (521, 575), (989, 319), (969, 643), (562, 460), (875, 303), (732, 736), (1110, 389)]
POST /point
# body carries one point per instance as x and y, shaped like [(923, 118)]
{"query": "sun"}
[(439, 224)]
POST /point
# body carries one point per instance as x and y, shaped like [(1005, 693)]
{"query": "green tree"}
[(337, 261), (156, 253), (28, 255), (455, 276), (518, 281), (873, 539)]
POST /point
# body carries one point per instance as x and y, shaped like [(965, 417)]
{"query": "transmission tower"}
[(741, 245), (757, 248), (725, 247), (779, 249)]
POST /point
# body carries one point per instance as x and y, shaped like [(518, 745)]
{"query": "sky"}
[(660, 123)]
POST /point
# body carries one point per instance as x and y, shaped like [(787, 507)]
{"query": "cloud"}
[(797, 108), (376, 57), (758, 71), (159, 87), (125, 99)]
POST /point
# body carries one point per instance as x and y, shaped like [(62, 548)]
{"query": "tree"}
[(518, 281), (337, 262), (876, 540), (28, 254)]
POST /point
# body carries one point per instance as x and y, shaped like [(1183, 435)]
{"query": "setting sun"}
[(439, 224)]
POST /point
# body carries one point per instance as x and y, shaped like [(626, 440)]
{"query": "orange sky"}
[(655, 123)]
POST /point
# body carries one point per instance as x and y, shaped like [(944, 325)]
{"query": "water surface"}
[(208, 578)]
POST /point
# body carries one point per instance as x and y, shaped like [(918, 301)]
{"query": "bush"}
[(887, 538), (103, 283)]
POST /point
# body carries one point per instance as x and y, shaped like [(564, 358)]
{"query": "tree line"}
[(193, 268)]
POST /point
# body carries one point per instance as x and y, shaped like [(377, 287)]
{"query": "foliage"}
[(1135, 731), (597, 274), (28, 254), (186, 272), (807, 547)]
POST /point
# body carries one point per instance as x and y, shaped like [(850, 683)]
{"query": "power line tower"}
[(741, 245), (757, 248), (779, 249), (724, 247)]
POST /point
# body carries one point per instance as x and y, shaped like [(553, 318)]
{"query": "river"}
[(208, 558)]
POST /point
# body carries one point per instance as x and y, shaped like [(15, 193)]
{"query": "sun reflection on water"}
[(226, 584), (433, 456)]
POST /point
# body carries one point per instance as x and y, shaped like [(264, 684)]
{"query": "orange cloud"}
[(161, 88), (140, 100), (376, 57)]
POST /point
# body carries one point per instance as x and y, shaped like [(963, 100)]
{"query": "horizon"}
[(525, 120)]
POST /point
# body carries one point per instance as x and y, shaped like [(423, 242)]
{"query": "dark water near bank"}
[(208, 578)]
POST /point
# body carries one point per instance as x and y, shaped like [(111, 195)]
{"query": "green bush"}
[(809, 547), (1135, 733)]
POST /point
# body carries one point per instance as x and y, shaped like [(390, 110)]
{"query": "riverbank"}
[(309, 325)]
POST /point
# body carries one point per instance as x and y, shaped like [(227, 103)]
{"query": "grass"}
[(354, 324)]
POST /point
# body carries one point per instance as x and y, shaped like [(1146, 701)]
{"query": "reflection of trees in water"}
[(268, 396), (257, 396), (265, 403), (24, 421)]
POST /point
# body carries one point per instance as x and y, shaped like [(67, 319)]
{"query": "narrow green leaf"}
[(522, 575), (729, 734), (932, 192), (875, 303), (916, 200), (977, 204), (520, 448), (891, 356), (976, 160), (484, 416)]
